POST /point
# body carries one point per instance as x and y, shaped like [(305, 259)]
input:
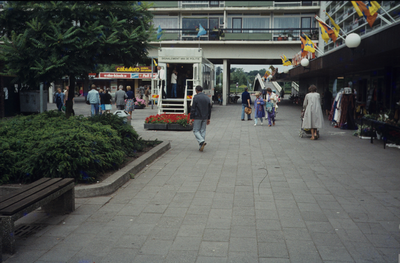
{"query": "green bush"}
[(50, 145)]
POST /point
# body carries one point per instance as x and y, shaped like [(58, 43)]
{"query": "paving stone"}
[(221, 235), (272, 250), (334, 253), (213, 249), (156, 247), (179, 256)]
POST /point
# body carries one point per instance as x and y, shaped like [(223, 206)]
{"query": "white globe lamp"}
[(353, 40), (286, 71), (305, 62)]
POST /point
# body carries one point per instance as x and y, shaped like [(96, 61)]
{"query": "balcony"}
[(239, 34)]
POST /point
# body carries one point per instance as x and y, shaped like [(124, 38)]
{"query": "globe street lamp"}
[(305, 62), (353, 40)]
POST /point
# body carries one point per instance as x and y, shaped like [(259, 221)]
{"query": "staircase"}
[(175, 105)]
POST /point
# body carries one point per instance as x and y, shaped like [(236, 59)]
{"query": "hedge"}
[(50, 145)]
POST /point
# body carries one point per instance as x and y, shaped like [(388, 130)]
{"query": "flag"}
[(159, 32), (303, 43), (324, 27), (155, 63), (373, 7), (267, 73), (202, 31), (324, 34), (309, 45), (363, 10), (285, 61), (335, 28)]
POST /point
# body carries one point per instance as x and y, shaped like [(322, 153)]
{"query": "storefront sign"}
[(179, 59), (110, 75), (135, 75), (147, 76), (133, 69)]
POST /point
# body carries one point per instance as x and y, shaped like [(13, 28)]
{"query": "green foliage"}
[(50, 145), (46, 40)]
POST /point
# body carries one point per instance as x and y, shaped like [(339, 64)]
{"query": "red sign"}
[(114, 75)]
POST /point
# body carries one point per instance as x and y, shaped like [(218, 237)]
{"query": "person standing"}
[(81, 91), (246, 102), (120, 97), (94, 99), (313, 117), (174, 78), (102, 103), (147, 95), (107, 101), (66, 101), (59, 99), (200, 114), (141, 91), (161, 80), (259, 112), (130, 103), (271, 98)]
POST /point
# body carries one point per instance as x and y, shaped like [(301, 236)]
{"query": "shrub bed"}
[(50, 145)]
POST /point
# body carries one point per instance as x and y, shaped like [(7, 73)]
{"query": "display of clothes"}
[(342, 111)]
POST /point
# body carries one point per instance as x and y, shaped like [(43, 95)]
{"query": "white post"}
[(225, 85)]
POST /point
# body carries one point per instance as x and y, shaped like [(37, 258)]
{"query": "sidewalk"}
[(256, 194)]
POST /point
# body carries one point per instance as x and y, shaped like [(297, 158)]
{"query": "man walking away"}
[(94, 99), (120, 97), (59, 99), (200, 114), (246, 102)]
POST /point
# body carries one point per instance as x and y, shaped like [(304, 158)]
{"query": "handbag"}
[(247, 110), (87, 102)]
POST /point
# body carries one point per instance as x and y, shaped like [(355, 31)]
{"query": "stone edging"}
[(119, 178)]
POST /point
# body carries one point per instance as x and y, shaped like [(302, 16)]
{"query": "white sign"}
[(171, 59), (5, 93)]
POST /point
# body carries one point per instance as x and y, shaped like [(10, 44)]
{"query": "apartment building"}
[(238, 32)]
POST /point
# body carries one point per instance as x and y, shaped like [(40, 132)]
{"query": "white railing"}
[(277, 86), (185, 100)]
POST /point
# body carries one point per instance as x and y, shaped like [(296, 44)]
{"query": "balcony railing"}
[(239, 34)]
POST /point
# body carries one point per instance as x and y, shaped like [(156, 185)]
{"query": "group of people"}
[(100, 101), (261, 106)]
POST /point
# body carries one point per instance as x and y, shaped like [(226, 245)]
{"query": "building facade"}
[(238, 32)]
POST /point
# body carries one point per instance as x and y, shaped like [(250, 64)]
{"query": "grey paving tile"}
[(191, 230), (270, 236), (148, 258), (156, 247), (213, 249), (186, 243), (336, 253), (181, 256), (163, 233), (203, 259), (272, 250), (244, 244), (221, 235)]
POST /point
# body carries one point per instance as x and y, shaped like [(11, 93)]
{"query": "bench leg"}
[(63, 204), (7, 233)]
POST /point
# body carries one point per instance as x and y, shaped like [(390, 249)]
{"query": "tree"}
[(44, 41)]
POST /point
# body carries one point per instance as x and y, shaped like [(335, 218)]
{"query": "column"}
[(225, 84)]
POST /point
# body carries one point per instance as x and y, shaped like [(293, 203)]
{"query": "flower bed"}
[(140, 103), (177, 122)]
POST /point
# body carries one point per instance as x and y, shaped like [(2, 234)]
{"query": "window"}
[(166, 22), (306, 24), (214, 3), (255, 22), (237, 24), (190, 25), (286, 22)]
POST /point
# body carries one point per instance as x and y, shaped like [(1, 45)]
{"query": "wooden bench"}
[(55, 196)]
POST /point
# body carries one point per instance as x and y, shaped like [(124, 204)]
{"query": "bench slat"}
[(26, 194), (24, 188), (37, 196)]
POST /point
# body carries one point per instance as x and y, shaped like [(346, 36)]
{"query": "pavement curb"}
[(119, 178)]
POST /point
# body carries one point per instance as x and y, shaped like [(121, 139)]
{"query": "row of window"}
[(239, 22)]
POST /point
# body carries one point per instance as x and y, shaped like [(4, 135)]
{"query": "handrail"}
[(277, 86)]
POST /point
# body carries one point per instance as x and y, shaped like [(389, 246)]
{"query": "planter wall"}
[(170, 127)]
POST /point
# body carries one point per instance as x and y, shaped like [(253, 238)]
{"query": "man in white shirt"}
[(174, 78), (161, 81)]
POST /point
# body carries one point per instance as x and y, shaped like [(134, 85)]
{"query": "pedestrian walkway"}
[(256, 194)]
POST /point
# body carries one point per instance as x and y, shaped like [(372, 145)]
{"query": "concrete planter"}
[(178, 127), (156, 126)]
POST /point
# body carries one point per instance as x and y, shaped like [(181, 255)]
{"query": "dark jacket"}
[(201, 107), (107, 98), (245, 97)]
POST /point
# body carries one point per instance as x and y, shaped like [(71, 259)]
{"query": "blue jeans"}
[(199, 130), (271, 116), (174, 91), (248, 115), (255, 120), (59, 106), (95, 109)]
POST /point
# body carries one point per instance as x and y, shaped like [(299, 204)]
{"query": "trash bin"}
[(123, 114)]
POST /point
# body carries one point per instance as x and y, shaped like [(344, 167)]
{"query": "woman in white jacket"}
[(313, 117)]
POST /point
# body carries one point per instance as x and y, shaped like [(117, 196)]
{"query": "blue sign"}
[(135, 75)]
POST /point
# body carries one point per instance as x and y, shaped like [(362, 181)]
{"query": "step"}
[(173, 105), (162, 108), (174, 100)]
